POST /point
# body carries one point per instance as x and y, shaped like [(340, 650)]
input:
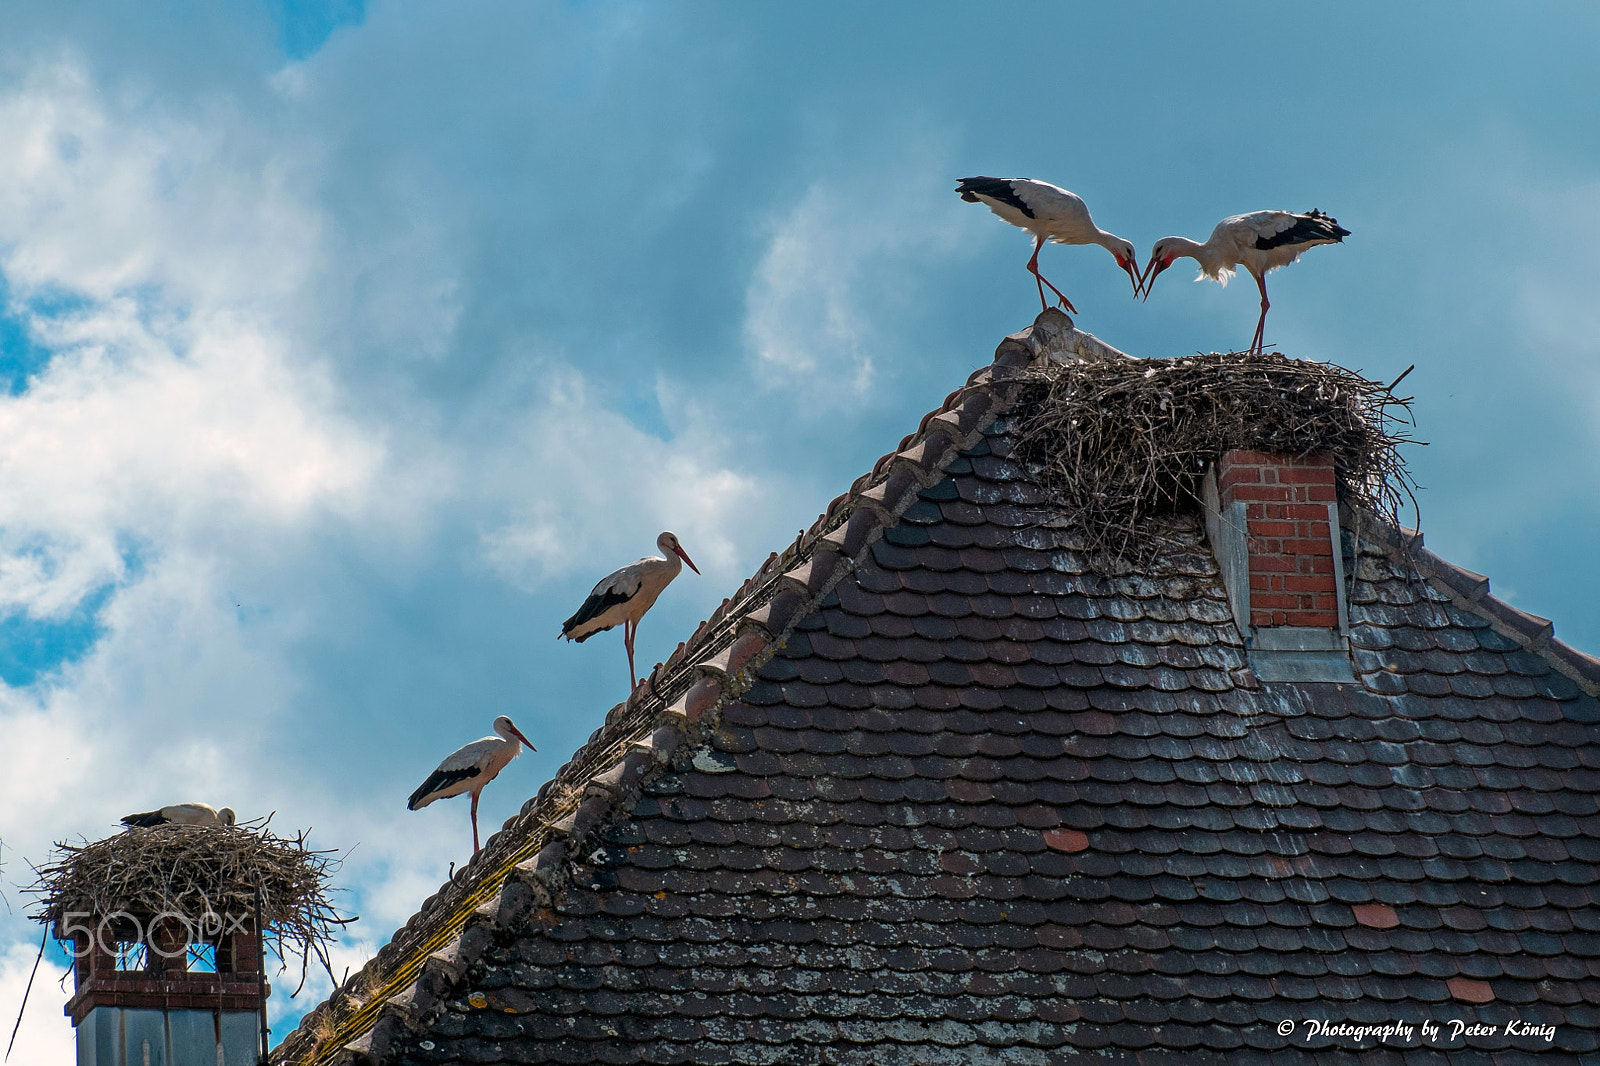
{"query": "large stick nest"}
[(203, 873), (1118, 443)]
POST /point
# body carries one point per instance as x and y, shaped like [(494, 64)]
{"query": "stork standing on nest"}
[(470, 767), (623, 596), (1260, 242), (1049, 213), (181, 814)]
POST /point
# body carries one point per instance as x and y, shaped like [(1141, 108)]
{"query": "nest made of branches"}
[(204, 873), (1118, 443)]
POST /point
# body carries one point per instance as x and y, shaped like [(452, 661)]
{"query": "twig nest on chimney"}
[(204, 875), (1117, 446)]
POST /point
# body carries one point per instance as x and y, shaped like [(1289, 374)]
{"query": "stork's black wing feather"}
[(437, 780), (995, 189), (145, 820), (1311, 226), (597, 604)]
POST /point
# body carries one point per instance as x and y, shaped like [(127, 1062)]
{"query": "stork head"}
[(504, 727), (1122, 251), (225, 816), (668, 542), (1164, 254)]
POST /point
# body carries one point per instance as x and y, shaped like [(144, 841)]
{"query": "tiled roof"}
[(929, 789)]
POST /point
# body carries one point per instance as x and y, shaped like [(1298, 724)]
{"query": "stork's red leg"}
[(1261, 323), (474, 823), (628, 630), (1038, 278), (1059, 295), (1042, 281)]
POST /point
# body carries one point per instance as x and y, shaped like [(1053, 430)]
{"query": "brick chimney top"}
[(1273, 521), (1288, 531)]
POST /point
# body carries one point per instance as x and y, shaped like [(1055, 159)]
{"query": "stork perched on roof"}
[(181, 814), (1259, 242), (1049, 213), (470, 767), (623, 596)]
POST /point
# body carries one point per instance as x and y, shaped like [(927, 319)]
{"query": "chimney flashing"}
[(1225, 530), (1297, 638)]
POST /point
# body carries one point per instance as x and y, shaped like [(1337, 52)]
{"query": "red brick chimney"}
[(1273, 521), (1288, 535)]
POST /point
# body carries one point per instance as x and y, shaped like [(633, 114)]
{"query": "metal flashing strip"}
[(1335, 534), (1302, 666), (1226, 532), (1297, 638)]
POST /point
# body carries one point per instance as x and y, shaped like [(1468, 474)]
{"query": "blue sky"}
[(344, 346)]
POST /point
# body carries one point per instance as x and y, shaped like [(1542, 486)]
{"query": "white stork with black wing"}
[(1050, 213), (623, 596), (470, 767), (181, 814), (1259, 242)]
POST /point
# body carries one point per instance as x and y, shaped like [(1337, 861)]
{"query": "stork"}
[(470, 767), (181, 814), (623, 596), (1049, 213), (1260, 242)]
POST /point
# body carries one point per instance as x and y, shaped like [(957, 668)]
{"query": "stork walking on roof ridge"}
[(623, 596), (1260, 241), (181, 814), (1051, 213), (470, 767)]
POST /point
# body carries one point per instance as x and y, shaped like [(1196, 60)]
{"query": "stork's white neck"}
[(1213, 261), (1212, 258), (672, 558), (1108, 241)]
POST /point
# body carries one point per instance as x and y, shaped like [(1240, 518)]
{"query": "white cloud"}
[(224, 417), (838, 266), (585, 488), (43, 1037), (123, 437), (172, 402), (171, 704), (102, 192), (802, 313)]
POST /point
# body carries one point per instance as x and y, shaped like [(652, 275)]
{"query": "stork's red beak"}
[(1127, 264), (1152, 270), (524, 739), (680, 553)]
